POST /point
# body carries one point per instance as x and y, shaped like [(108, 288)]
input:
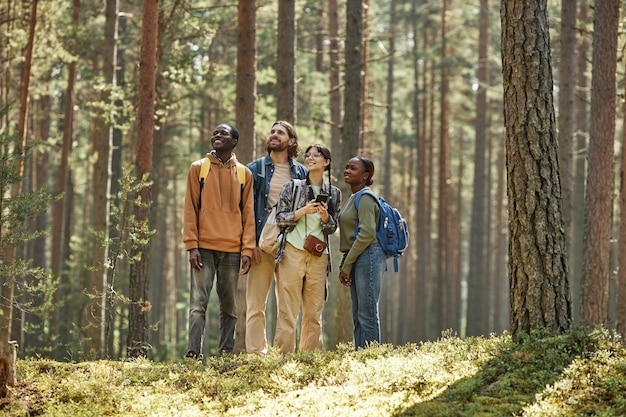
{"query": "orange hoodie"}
[(221, 224)]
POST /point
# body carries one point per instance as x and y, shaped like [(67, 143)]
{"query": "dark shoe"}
[(194, 356)]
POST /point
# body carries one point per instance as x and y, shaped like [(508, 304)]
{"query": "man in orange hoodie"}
[(219, 234)]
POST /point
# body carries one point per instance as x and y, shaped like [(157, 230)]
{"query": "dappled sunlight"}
[(578, 373)]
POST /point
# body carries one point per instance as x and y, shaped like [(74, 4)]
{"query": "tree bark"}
[(139, 304), (444, 258), (599, 197), (335, 90), (581, 111), (8, 356), (477, 304), (353, 80), (420, 240), (7, 296), (621, 274), (538, 286), (246, 80), (286, 62), (350, 128), (567, 79), (245, 106), (59, 216), (365, 143)]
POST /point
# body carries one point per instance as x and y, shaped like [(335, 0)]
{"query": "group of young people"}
[(224, 215)]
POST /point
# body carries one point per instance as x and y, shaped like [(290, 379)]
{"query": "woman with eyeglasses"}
[(308, 208)]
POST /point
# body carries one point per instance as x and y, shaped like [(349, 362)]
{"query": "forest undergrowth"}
[(574, 374)]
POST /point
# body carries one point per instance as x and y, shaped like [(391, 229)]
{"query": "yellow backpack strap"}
[(206, 167), (204, 170), (241, 173)]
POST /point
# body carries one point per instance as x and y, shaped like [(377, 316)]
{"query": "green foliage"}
[(573, 374), (17, 209), (130, 234)]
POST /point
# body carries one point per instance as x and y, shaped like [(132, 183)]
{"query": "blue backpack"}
[(392, 231)]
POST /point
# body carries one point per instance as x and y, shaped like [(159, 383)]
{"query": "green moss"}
[(578, 373)]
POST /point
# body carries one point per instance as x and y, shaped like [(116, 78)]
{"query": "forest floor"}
[(575, 374)]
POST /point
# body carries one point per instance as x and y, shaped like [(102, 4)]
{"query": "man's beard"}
[(278, 147)]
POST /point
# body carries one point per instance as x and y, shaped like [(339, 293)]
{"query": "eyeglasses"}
[(313, 155)]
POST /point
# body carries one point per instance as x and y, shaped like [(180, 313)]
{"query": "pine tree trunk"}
[(286, 62), (245, 106), (444, 281), (8, 356), (420, 234), (139, 303), (476, 297), (581, 110), (335, 93), (600, 176), (538, 286)]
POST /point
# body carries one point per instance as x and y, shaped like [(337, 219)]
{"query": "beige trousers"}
[(257, 289), (300, 281)]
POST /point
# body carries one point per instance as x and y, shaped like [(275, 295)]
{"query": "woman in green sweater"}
[(364, 261)]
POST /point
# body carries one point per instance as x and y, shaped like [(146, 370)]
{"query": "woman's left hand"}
[(344, 278)]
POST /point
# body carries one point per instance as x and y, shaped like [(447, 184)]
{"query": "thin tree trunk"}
[(476, 291), (456, 254), (335, 91), (365, 145), (443, 205), (320, 38), (351, 124), (621, 270), (599, 197), (286, 62), (581, 109), (418, 309), (245, 106), (58, 254), (567, 70), (434, 325), (389, 116), (8, 290), (421, 238), (8, 348), (38, 336), (139, 304), (353, 80), (340, 329), (158, 211), (94, 327), (501, 306)]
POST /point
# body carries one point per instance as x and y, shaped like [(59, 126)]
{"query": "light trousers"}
[(258, 286), (300, 282)]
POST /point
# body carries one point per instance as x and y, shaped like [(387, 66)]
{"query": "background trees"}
[(426, 105)]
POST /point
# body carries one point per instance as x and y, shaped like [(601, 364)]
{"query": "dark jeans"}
[(225, 266)]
